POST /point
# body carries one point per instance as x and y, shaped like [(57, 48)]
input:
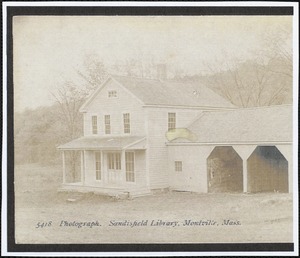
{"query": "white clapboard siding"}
[(115, 107), (193, 176), (157, 149)]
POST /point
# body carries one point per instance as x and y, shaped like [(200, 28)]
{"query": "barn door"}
[(114, 167)]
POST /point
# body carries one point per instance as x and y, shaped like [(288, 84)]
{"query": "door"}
[(114, 167)]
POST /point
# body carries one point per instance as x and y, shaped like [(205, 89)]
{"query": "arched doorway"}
[(267, 170), (224, 170)]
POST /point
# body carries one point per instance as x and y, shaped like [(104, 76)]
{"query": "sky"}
[(47, 48)]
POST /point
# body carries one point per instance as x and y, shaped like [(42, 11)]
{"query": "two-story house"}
[(143, 134), (125, 124)]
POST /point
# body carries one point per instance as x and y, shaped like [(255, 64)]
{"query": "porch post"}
[(64, 167), (123, 167), (82, 166), (245, 176), (103, 173)]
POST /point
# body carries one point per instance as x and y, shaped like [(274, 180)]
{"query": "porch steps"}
[(139, 193), (115, 193)]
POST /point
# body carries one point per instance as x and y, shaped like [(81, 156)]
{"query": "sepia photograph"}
[(153, 129)]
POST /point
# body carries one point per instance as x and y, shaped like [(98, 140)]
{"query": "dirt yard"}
[(44, 215)]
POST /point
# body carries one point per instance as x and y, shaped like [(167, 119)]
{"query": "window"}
[(107, 124), (94, 125), (114, 161), (171, 121), (112, 94), (98, 165), (178, 166), (129, 159), (126, 121)]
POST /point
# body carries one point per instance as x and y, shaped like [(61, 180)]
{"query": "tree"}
[(277, 49), (251, 84), (264, 80), (93, 72), (70, 97)]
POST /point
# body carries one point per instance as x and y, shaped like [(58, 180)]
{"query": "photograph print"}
[(153, 129)]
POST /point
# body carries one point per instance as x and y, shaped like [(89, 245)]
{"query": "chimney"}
[(162, 71)]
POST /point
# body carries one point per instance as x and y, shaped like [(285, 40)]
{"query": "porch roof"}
[(106, 143)]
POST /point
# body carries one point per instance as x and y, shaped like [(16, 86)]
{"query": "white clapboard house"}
[(144, 134)]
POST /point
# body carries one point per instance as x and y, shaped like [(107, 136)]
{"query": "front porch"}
[(107, 169)]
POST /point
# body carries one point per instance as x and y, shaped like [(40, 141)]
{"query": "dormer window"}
[(112, 94)]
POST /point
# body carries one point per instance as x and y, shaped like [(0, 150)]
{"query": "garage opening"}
[(267, 170), (225, 170)]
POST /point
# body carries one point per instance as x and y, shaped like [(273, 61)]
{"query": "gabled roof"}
[(105, 143), (264, 124), (157, 92), (167, 93)]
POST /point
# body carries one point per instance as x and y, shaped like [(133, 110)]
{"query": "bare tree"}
[(70, 98), (250, 83), (277, 49), (266, 79), (94, 72)]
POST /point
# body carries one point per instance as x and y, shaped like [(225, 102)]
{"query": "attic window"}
[(112, 94)]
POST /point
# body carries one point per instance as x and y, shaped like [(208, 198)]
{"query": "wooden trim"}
[(84, 153), (133, 143), (190, 107), (93, 95), (103, 176), (245, 176), (128, 91), (123, 166), (211, 108), (82, 166), (147, 157), (226, 143)]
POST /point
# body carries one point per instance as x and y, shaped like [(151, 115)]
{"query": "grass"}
[(263, 217)]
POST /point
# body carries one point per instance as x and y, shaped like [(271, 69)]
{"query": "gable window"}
[(94, 125), (178, 166), (107, 124), (98, 165), (112, 94), (129, 161), (171, 121), (126, 121), (114, 161)]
